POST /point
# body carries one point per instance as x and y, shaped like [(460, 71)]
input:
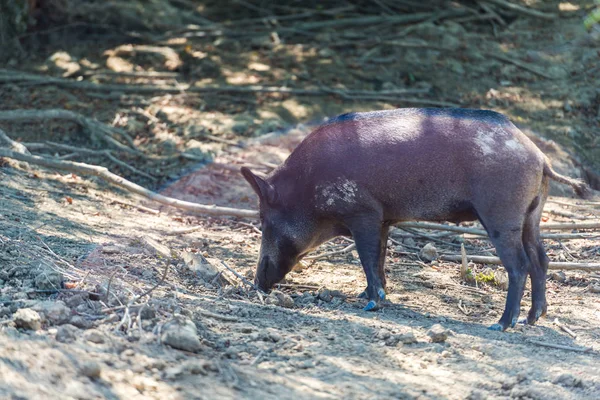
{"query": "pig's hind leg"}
[(507, 236), (537, 255), (370, 236)]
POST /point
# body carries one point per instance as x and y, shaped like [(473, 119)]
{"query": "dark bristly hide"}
[(359, 173)]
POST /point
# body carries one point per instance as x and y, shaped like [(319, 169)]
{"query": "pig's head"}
[(287, 233)]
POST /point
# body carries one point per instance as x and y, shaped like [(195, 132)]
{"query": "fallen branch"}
[(345, 250), (104, 173), (481, 232), (522, 10), (385, 95), (572, 225), (105, 153), (496, 260), (565, 328), (16, 146), (562, 347), (94, 128), (240, 277)]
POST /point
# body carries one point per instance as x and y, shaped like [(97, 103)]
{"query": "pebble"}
[(280, 299), (410, 242), (66, 333), (27, 318), (181, 333), (558, 276), (76, 300), (594, 288), (55, 312), (407, 338), (94, 336), (91, 369), (81, 322), (568, 380), (383, 334), (325, 295), (49, 280), (428, 252), (438, 333)]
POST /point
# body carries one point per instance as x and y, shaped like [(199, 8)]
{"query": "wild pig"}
[(359, 173)]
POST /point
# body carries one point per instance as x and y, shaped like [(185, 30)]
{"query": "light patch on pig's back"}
[(338, 193), (498, 144)]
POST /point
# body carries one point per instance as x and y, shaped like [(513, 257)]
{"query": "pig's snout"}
[(264, 272)]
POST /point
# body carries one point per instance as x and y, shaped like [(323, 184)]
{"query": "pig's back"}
[(417, 156)]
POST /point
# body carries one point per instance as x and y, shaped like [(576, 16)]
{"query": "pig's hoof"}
[(496, 327), (371, 306), (535, 314), (363, 295), (381, 294)]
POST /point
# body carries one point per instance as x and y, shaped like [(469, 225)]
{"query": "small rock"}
[(280, 299), (48, 280), (4, 311), (27, 318), (198, 367), (407, 338), (325, 295), (410, 242), (305, 299), (383, 334), (428, 252), (173, 373), (438, 333), (558, 276), (67, 333), (181, 333), (91, 369), (147, 312), (76, 300), (94, 336), (80, 322), (594, 288), (273, 336), (55, 312), (568, 380)]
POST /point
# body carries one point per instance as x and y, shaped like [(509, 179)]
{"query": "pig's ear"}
[(265, 191)]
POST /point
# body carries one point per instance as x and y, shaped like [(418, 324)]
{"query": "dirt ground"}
[(95, 282)]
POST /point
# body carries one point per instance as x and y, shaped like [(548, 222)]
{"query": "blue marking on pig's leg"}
[(496, 327), (367, 233), (363, 294), (371, 306)]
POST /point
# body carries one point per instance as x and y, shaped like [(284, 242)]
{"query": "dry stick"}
[(180, 231), (240, 277), (518, 63), (218, 316), (104, 173), (562, 347), (501, 57), (106, 153), (496, 260), (18, 147), (92, 126), (481, 232), (139, 207), (522, 10), (389, 95), (346, 249), (565, 328)]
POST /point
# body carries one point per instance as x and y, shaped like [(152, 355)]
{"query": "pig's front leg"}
[(370, 236)]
